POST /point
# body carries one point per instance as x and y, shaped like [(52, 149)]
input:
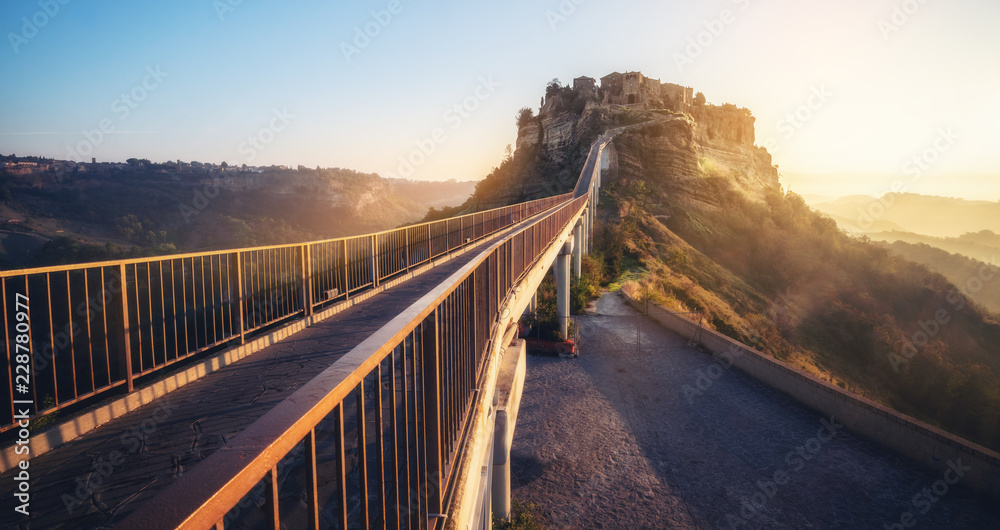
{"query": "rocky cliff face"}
[(558, 131), (678, 154), (683, 156), (723, 124)]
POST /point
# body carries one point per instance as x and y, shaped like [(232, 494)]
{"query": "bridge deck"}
[(130, 459), (611, 440)]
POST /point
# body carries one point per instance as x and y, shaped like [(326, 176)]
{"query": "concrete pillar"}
[(532, 304), (501, 467), (578, 248), (590, 221), (597, 187), (561, 269)]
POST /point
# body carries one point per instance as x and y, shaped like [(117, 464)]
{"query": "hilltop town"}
[(34, 165), (634, 90)]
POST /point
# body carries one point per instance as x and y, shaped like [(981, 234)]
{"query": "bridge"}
[(370, 381)]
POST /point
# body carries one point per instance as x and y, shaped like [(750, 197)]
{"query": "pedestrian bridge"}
[(370, 381), (365, 392)]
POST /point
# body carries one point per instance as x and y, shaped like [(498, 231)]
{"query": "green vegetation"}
[(524, 117), (141, 209), (41, 423), (966, 273), (545, 321), (762, 267), (523, 516)]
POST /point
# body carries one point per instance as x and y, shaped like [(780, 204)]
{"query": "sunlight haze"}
[(889, 81)]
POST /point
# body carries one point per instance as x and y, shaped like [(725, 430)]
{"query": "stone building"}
[(632, 89), (680, 97), (587, 85)]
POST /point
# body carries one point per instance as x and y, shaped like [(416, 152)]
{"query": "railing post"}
[(239, 298), (374, 241), (123, 336), (430, 249), (305, 261), (406, 246), (347, 271), (430, 357)]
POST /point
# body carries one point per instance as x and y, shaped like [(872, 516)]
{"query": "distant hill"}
[(69, 214), (982, 246), (908, 212), (966, 273)]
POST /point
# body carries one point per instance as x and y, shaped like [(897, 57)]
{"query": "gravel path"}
[(612, 440)]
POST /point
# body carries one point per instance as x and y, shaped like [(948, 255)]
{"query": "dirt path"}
[(611, 440)]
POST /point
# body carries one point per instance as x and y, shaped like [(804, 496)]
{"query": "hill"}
[(941, 217), (68, 214), (693, 216), (981, 246), (966, 273)]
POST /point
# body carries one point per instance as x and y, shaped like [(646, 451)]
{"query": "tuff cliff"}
[(683, 155)]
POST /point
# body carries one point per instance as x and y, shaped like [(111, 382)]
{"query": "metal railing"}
[(374, 441), (95, 328)]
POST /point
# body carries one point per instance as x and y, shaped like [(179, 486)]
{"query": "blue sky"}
[(278, 73)]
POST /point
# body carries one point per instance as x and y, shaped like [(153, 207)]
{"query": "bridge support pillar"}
[(532, 305), (561, 269), (500, 491), (578, 248)]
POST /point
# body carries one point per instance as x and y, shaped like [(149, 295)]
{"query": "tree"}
[(524, 116), (699, 100), (553, 88), (225, 164)]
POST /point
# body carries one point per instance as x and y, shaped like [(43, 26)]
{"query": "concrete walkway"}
[(611, 440), (96, 480)]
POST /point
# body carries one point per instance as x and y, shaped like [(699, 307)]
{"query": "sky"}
[(851, 97)]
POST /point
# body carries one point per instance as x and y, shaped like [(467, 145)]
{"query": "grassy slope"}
[(770, 271)]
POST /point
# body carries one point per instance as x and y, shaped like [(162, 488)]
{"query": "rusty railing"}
[(93, 329)]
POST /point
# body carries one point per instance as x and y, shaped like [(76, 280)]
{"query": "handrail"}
[(418, 376), (424, 366), (96, 327)]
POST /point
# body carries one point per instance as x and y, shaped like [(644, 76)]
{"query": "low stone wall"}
[(928, 445)]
